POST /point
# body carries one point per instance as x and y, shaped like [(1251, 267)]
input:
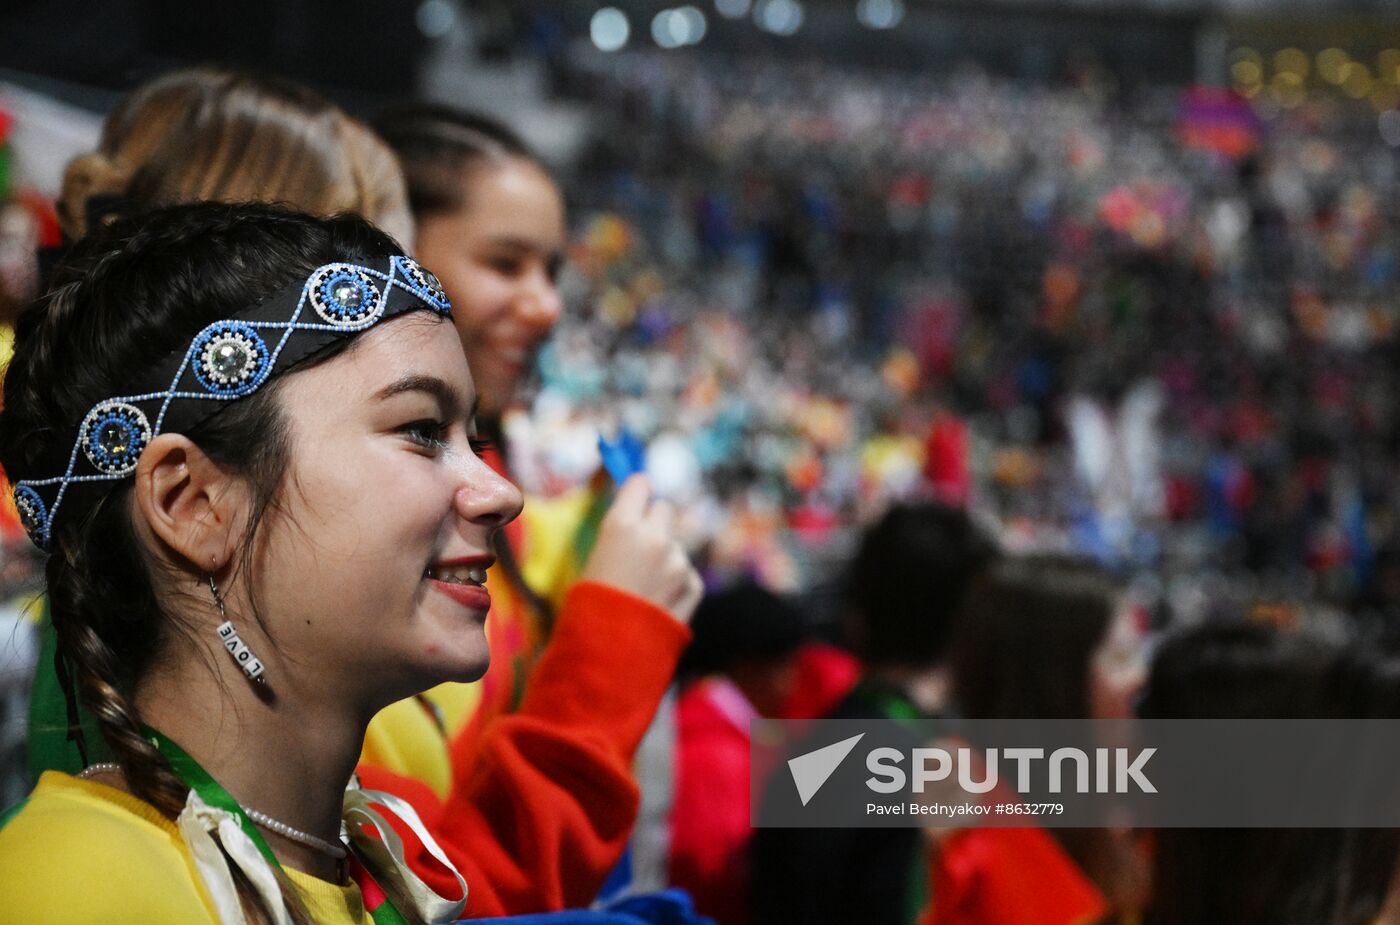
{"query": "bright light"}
[(1246, 72), (781, 17), (732, 9), (1332, 65), (880, 14), (693, 23), (435, 18), (609, 29), (1292, 60), (665, 30), (1357, 83), (674, 28)]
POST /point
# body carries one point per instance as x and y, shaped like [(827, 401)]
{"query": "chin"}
[(459, 657), (466, 664), (473, 671)]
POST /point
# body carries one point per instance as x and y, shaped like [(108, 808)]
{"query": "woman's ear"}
[(189, 503)]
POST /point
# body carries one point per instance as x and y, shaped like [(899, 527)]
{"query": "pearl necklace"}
[(296, 835), (262, 819)]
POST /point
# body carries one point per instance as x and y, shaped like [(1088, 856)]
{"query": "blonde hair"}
[(210, 134)]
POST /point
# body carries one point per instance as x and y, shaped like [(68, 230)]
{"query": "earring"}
[(228, 637)]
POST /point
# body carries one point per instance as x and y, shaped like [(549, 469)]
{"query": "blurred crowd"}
[(1150, 326), (1026, 372), (1153, 327)]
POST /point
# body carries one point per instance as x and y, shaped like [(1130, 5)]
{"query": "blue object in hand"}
[(623, 456)]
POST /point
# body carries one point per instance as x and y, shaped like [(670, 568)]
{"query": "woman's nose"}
[(541, 305), (489, 498)]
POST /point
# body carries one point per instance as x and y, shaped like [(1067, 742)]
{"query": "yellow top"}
[(81, 852)]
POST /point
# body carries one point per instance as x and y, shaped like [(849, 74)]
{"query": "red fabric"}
[(1009, 877), (710, 829), (544, 798), (946, 460), (370, 892), (825, 675)]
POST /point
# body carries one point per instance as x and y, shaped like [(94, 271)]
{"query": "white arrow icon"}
[(811, 770)]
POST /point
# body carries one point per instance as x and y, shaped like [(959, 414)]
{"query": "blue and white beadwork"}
[(113, 435), (231, 359), (424, 283), (345, 295), (32, 514)]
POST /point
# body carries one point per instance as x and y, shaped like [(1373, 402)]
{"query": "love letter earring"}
[(228, 637)]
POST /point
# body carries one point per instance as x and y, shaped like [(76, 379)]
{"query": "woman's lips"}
[(473, 597)]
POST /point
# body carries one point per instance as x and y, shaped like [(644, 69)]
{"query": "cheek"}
[(371, 509), (345, 572), (481, 301)]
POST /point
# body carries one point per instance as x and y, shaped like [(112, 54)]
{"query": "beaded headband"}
[(228, 360)]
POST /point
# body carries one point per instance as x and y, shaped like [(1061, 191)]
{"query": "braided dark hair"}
[(123, 300)]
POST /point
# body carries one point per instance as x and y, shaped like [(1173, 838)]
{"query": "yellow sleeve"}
[(63, 861)]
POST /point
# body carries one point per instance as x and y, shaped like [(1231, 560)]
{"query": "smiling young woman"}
[(564, 760), (239, 428)]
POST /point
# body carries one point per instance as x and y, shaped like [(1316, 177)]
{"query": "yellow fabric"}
[(552, 524), (457, 702), (330, 903), (403, 738), (7, 345), (81, 852)]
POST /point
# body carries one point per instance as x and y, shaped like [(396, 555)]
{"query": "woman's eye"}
[(506, 266), (481, 445), (427, 433)]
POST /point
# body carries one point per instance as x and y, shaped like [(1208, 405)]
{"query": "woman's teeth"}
[(459, 575)]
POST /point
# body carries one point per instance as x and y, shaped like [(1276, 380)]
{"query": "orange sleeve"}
[(544, 798)]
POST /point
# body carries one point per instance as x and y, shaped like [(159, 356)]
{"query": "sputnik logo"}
[(813, 769)]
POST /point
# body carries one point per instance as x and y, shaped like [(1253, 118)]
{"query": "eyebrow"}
[(523, 244), (445, 394)]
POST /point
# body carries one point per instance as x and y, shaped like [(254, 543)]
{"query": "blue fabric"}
[(620, 878), (669, 907), (570, 917)]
